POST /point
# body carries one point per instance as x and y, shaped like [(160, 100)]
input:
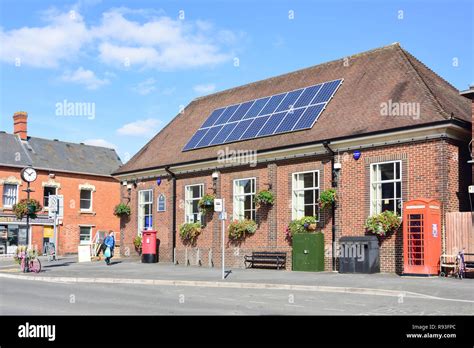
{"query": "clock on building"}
[(29, 174)]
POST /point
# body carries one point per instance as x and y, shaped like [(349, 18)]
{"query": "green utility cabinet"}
[(308, 252)]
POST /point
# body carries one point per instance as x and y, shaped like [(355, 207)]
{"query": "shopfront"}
[(13, 231)]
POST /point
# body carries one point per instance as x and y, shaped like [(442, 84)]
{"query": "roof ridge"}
[(406, 57), (71, 142), (392, 45)]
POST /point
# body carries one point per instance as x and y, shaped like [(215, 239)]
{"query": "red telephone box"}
[(421, 236)]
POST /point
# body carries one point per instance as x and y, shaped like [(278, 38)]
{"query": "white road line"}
[(257, 302)]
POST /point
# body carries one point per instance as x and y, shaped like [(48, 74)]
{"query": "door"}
[(415, 243)]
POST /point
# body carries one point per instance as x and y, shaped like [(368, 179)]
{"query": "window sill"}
[(87, 212)]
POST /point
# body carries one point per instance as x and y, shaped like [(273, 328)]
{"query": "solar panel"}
[(280, 113)]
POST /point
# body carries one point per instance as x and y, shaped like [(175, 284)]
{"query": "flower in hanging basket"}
[(206, 204), (27, 207), (189, 232), (264, 197), (327, 198), (122, 209), (383, 223), (239, 230)]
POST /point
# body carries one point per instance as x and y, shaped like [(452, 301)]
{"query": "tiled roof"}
[(370, 79), (57, 155)]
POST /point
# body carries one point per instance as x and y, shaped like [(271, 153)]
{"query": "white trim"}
[(90, 209), (393, 181), (371, 141), (253, 208), (90, 234), (201, 185), (138, 209), (315, 199)]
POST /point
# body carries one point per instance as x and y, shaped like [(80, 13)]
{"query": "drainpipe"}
[(173, 179), (333, 207)]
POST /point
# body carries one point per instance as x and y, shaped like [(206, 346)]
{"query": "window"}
[(305, 195), (161, 204), (192, 195), (145, 210), (85, 233), (47, 191), (10, 194), (244, 199), (86, 200), (386, 187)]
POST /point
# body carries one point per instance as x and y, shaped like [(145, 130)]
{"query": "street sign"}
[(223, 215), (56, 206)]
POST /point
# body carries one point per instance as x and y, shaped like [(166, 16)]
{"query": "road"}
[(27, 297)]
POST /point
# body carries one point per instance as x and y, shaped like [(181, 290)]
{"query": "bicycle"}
[(460, 265), (29, 264)]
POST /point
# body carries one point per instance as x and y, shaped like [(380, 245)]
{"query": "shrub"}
[(122, 209), (239, 230), (189, 232), (137, 242), (327, 198), (306, 224), (264, 197), (206, 204), (27, 207), (383, 223)]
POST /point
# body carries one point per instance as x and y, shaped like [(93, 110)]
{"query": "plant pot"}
[(311, 227)]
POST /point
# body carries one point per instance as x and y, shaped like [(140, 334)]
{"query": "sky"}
[(113, 73)]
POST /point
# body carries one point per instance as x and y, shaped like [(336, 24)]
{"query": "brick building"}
[(80, 173), (376, 154)]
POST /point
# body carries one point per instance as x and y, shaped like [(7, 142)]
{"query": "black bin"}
[(359, 255)]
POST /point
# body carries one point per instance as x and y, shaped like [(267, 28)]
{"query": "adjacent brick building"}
[(402, 157), (80, 173)]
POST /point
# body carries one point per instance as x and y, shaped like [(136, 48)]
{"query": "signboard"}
[(56, 205), (471, 188), (48, 232), (435, 230), (84, 253), (218, 204)]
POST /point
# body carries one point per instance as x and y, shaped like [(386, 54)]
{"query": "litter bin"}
[(359, 255), (149, 247)]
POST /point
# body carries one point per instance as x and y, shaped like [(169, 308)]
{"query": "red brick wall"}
[(104, 199), (430, 169)]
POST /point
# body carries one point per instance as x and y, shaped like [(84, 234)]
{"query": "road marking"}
[(235, 285), (334, 309), (226, 299), (257, 302), (294, 305)]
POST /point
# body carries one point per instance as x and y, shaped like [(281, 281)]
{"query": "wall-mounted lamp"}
[(52, 175), (129, 186), (158, 181), (124, 183), (215, 175), (356, 155)]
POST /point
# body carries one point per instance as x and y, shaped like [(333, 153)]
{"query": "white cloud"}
[(145, 87), (146, 127), (152, 41), (84, 77), (100, 142), (205, 88)]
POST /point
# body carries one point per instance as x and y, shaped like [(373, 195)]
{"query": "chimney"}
[(20, 124)]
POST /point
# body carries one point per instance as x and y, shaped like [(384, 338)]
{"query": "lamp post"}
[(29, 175)]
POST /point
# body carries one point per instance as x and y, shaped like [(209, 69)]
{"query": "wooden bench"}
[(265, 259)]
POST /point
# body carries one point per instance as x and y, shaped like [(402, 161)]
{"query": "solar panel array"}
[(281, 113)]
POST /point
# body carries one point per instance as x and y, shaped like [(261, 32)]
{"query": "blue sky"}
[(138, 62)]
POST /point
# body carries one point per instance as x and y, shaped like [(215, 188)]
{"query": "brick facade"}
[(105, 196), (430, 169)]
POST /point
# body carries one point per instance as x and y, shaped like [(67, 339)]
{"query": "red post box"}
[(149, 247)]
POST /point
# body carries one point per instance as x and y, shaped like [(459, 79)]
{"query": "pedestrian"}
[(109, 243)]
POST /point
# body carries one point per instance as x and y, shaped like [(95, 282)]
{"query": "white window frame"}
[(3, 195), (139, 214), (188, 203), (253, 209), (90, 235), (80, 199), (294, 210), (374, 207), (45, 207)]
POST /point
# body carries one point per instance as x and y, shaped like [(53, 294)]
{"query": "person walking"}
[(109, 243)]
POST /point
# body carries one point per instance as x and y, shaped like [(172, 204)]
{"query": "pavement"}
[(176, 289)]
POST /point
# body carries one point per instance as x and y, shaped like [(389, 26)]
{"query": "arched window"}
[(161, 204)]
